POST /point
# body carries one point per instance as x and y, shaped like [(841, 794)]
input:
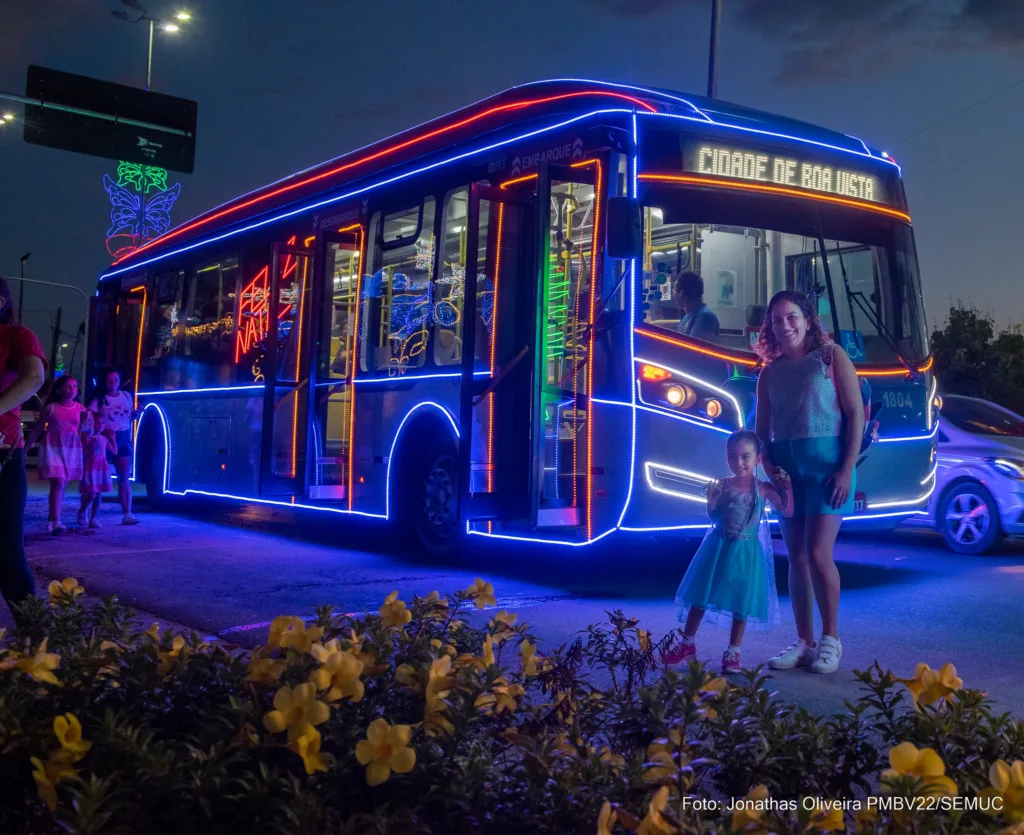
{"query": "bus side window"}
[(397, 295), (210, 325), (449, 289), (163, 334)]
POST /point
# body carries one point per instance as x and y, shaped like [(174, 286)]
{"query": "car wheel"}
[(969, 519), (433, 504)]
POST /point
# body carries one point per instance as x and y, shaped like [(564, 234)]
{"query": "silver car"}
[(979, 484)]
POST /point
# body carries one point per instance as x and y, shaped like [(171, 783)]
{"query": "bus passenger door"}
[(286, 400), (566, 270), (499, 301), (330, 469)]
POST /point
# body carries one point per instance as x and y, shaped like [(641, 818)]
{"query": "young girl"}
[(60, 456), (95, 472), (732, 573)]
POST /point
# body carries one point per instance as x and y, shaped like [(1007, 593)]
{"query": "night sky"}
[(284, 84)]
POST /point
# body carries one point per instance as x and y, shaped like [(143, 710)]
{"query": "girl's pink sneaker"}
[(731, 661), (681, 653)]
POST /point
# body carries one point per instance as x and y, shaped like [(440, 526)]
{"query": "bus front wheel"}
[(432, 501), (152, 459)]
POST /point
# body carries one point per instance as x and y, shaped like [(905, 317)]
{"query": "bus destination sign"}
[(783, 170)]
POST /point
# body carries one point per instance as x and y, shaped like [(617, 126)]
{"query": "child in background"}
[(95, 472), (732, 573), (60, 456)]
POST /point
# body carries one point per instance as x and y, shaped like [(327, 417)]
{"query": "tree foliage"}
[(973, 359)]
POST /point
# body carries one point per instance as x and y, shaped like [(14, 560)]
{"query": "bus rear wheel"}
[(151, 458), (432, 502)]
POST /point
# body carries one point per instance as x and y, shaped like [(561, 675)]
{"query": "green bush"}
[(416, 720)]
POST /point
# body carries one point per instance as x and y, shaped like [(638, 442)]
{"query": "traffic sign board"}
[(89, 116)]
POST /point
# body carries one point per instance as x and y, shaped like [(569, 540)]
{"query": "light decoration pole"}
[(141, 201)]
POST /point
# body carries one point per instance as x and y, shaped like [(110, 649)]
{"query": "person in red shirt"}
[(22, 371)]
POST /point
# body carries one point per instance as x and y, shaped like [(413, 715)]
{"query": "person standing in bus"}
[(113, 411), (698, 321), (22, 372), (810, 418), (60, 456)]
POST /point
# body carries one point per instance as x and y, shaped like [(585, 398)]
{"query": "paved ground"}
[(227, 571)]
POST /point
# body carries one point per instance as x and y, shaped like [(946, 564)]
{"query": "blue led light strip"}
[(260, 387), (363, 190)]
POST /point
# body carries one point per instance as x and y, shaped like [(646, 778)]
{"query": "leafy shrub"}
[(416, 720)]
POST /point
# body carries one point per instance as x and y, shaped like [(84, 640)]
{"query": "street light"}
[(143, 14)]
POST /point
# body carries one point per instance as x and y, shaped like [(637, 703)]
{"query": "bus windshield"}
[(746, 248)]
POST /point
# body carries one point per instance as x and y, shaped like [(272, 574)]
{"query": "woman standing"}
[(60, 456), (22, 370), (810, 419), (113, 411)]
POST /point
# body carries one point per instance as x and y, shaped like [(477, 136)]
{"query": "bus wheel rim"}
[(438, 497)]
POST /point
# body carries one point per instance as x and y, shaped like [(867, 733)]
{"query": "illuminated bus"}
[(468, 329)]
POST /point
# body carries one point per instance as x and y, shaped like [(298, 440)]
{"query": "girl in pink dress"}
[(60, 454), (95, 472)]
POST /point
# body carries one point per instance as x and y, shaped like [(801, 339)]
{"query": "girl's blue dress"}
[(733, 572)]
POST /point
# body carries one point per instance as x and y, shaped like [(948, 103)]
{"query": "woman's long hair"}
[(768, 348), (7, 311)]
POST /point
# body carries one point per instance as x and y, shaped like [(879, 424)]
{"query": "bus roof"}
[(559, 101)]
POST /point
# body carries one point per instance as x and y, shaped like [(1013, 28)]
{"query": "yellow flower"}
[(339, 675), (57, 768), (506, 618), (928, 685), (64, 591), (644, 637), (297, 710), (710, 690), (607, 819), (435, 607), (1008, 785), (654, 822), (439, 684), (482, 594), (528, 652), (502, 697), (153, 632), (40, 666), (69, 732), (827, 820), (488, 656), (264, 670), (307, 746), (661, 764), (166, 657), (289, 632), (611, 759), (906, 760), (385, 749), (393, 612), (866, 818), (750, 813)]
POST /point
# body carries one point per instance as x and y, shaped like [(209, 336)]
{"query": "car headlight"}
[(1008, 467)]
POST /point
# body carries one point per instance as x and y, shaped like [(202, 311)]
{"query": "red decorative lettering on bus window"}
[(253, 312)]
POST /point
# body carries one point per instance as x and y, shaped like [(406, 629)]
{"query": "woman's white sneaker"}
[(797, 654), (830, 652)]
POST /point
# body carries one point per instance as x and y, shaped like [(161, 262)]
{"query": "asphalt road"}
[(227, 571)]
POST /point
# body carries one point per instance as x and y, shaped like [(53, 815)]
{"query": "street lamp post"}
[(716, 17), (143, 14)]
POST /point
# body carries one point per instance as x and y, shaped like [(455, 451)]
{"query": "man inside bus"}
[(698, 321)]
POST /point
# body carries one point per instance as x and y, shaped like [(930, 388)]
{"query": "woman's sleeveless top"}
[(737, 513), (803, 398)]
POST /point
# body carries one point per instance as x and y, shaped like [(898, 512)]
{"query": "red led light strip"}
[(502, 108), (598, 193), (740, 185), (352, 360)]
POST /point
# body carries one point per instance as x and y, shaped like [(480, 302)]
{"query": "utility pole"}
[(716, 17), (56, 345), (21, 292)]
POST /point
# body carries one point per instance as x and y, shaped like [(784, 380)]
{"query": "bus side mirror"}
[(625, 230)]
